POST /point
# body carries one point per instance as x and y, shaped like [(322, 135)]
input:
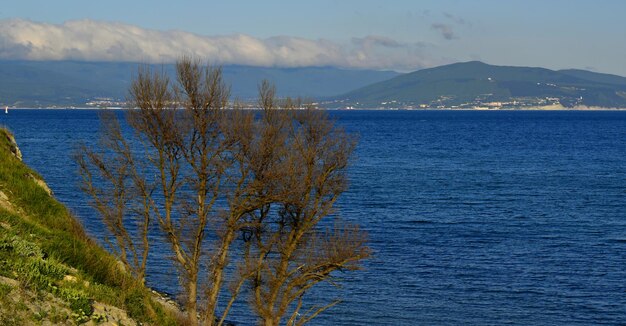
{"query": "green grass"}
[(46, 249), (5, 289)]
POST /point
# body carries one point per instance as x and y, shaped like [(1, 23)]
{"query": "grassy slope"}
[(50, 270)]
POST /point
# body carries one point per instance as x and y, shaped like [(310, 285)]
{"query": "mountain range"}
[(467, 85), (74, 83)]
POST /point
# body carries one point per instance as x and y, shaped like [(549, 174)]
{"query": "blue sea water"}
[(475, 218)]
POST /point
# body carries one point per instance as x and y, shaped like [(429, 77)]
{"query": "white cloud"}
[(107, 41)]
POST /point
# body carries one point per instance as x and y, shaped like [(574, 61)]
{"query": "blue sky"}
[(394, 34)]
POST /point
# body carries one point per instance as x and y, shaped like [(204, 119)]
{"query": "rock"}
[(9, 281), (167, 303), (42, 184), (13, 146), (5, 203), (111, 315)]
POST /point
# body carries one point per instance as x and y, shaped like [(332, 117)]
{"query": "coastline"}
[(481, 109)]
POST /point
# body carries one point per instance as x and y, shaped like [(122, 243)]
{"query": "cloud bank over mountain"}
[(89, 40)]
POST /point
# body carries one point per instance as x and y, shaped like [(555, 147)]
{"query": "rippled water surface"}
[(480, 218)]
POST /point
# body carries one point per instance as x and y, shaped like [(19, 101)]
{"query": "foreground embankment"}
[(51, 272)]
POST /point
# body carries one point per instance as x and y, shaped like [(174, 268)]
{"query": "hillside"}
[(476, 84), (72, 83), (51, 272), (595, 77)]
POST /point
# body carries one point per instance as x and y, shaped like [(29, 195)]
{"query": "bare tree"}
[(209, 176), (288, 252), (118, 193), (180, 127)]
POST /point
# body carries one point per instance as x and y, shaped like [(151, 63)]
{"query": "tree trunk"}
[(217, 276), (192, 311), (271, 321)]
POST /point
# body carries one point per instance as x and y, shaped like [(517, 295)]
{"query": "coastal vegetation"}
[(244, 199), (50, 270)]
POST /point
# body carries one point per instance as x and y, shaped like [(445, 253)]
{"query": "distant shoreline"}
[(532, 108)]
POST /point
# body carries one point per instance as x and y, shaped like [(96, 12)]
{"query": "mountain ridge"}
[(75, 83), (475, 84), (466, 85)]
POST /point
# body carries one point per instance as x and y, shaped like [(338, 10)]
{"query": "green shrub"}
[(6, 264), (26, 248), (86, 256), (57, 317), (11, 319), (5, 289), (79, 302), (104, 293), (40, 274), (99, 318), (40, 315), (135, 303)]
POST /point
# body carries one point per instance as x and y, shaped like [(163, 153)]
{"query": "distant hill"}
[(72, 83), (595, 77), (476, 84)]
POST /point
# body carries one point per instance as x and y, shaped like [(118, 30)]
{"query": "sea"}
[(474, 217)]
